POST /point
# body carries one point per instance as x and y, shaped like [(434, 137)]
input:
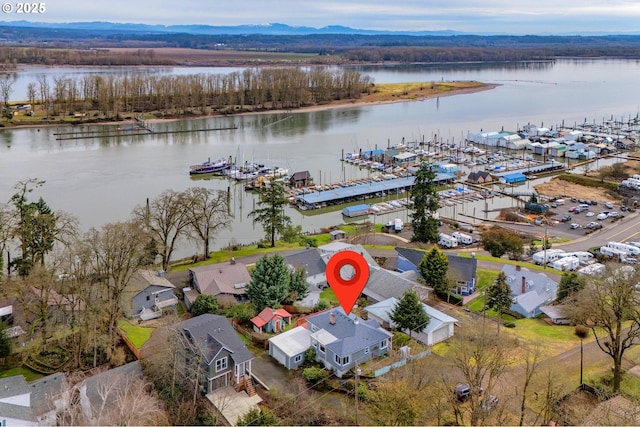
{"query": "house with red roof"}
[(271, 320)]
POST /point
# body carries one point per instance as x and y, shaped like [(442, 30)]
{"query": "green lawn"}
[(328, 295), (138, 335), (28, 374)]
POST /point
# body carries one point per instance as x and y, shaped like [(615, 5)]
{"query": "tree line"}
[(250, 89), (67, 280)]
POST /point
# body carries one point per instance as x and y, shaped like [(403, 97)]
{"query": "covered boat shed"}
[(513, 178)]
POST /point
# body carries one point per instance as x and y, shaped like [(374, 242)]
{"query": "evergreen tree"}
[(269, 285), (409, 313), (204, 304), (433, 267), (270, 213), (298, 286), (499, 296), (570, 283), (258, 417), (425, 205)]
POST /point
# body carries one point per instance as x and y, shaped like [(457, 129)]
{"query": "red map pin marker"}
[(347, 290)]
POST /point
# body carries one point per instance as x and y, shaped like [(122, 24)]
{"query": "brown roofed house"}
[(225, 278)]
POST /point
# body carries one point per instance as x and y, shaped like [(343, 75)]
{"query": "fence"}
[(399, 364)]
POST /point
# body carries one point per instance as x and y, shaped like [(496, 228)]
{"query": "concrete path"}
[(231, 404)]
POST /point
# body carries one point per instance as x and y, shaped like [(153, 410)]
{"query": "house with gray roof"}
[(225, 278), (15, 402), (530, 291), (147, 294), (313, 264), (384, 284), (342, 341), (35, 403), (211, 341), (440, 327), (462, 270), (104, 390), (326, 251)]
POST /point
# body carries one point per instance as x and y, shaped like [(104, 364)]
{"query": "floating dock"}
[(360, 192)]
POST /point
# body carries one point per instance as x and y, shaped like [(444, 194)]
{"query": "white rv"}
[(592, 270), (462, 238), (629, 249), (398, 225), (584, 256), (613, 252), (448, 241), (569, 263), (549, 255)]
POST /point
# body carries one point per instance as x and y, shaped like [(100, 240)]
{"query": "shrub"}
[(322, 305), (315, 375)]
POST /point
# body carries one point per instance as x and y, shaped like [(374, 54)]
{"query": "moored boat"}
[(209, 167)]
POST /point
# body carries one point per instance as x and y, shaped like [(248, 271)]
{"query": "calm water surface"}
[(101, 180)]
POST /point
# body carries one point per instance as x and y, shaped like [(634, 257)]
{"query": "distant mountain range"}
[(267, 29)]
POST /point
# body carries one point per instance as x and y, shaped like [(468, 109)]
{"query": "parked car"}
[(590, 214), (594, 225), (490, 403), (614, 215), (572, 208), (575, 226), (623, 208), (609, 205), (565, 218), (538, 221), (463, 391), (594, 202), (602, 216)]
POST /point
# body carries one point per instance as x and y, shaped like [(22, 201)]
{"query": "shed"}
[(513, 178), (338, 234), (357, 210), (289, 347), (405, 157)]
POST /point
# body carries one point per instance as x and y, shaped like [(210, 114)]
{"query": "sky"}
[(474, 16)]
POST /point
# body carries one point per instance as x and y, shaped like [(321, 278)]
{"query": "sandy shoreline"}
[(310, 109)]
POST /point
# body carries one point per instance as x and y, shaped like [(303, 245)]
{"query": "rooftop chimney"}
[(524, 284), (332, 318)]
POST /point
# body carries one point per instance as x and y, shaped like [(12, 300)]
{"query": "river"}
[(101, 180)]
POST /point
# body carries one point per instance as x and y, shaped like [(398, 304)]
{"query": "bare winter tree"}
[(207, 213), (6, 88), (165, 219), (610, 305), (116, 250)]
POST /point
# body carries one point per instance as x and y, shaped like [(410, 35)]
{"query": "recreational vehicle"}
[(610, 252), (549, 255), (569, 263), (463, 238), (629, 249), (448, 241), (584, 256)]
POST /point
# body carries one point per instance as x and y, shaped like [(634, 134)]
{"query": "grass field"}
[(138, 335), (28, 374)]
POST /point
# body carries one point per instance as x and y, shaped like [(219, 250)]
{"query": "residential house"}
[(313, 264), (462, 270), (271, 320), (289, 347), (108, 389), (342, 341), (326, 251), (147, 294), (480, 177), (225, 278), (384, 284), (440, 327), (32, 404), (211, 341), (300, 179), (530, 290)]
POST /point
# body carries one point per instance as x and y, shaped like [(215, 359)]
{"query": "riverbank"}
[(380, 94)]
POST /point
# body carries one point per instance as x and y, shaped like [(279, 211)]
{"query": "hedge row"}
[(588, 181)]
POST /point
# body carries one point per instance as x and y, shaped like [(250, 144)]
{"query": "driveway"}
[(269, 373)]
